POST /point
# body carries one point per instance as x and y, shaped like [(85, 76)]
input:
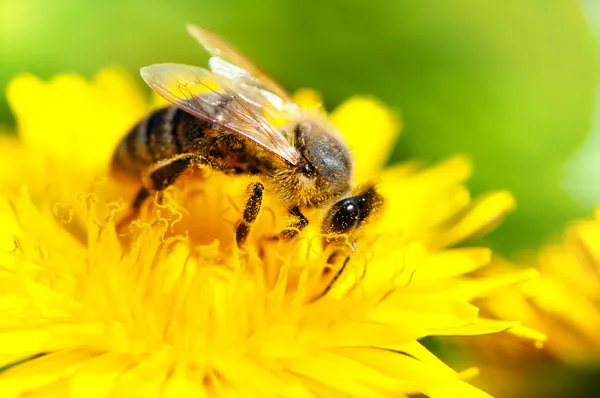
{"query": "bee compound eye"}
[(307, 169), (342, 217)]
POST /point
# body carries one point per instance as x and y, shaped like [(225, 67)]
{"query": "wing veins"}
[(221, 106)]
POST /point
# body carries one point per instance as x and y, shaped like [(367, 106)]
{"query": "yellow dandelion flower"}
[(564, 303), (174, 309)]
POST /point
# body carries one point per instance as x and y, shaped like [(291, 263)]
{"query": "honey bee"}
[(224, 119)]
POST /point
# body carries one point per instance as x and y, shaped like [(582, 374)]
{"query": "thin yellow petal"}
[(144, 379), (480, 327), (483, 215), (345, 375), (308, 99), (86, 119), (371, 130), (21, 343), (529, 333), (158, 101), (10, 230), (184, 383), (452, 263), (455, 389), (417, 200), (42, 371), (96, 378), (487, 286), (246, 375)]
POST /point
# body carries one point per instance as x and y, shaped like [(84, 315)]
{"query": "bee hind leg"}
[(164, 172), (251, 210), (159, 176)]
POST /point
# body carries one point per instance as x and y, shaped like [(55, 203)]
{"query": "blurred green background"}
[(511, 83)]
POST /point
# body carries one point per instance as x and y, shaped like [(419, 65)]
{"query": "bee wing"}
[(253, 87), (212, 98), (228, 62)]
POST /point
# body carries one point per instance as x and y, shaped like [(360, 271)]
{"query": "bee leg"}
[(164, 172), (294, 229), (140, 198), (332, 261), (340, 225), (251, 211), (160, 175)]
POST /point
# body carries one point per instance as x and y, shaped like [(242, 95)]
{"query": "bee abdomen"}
[(156, 137)]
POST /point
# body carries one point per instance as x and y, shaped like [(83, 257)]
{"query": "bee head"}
[(326, 166), (347, 215)]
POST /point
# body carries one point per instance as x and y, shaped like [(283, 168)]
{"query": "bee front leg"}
[(296, 227), (292, 230), (337, 260), (340, 227), (251, 210)]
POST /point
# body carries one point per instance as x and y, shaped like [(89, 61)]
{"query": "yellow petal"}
[(184, 383), (10, 230), (371, 129), (71, 119), (308, 99), (483, 215), (258, 381), (529, 333), (158, 101), (479, 327), (342, 374), (15, 160), (483, 287), (417, 200), (144, 379), (24, 342), (455, 389), (40, 372), (452, 263), (96, 378)]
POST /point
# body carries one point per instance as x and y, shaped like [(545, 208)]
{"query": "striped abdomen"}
[(159, 136), (170, 131)]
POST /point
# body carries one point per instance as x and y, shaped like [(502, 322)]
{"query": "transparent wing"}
[(233, 65), (252, 86), (219, 101)]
